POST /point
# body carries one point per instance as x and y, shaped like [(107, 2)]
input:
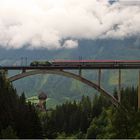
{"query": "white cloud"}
[(70, 44), (45, 23)]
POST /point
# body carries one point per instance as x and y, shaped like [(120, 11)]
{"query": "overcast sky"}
[(45, 23)]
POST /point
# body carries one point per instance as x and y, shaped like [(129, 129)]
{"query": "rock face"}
[(42, 101)]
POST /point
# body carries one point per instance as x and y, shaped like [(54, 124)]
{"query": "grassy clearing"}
[(50, 102)]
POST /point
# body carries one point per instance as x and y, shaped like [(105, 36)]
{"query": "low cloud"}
[(45, 23), (70, 44)]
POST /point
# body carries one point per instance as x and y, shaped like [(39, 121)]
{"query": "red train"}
[(83, 62), (92, 62)]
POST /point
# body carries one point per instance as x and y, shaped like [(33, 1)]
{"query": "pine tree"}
[(8, 133), (16, 113)]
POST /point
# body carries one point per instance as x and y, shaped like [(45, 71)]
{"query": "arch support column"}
[(99, 77), (4, 72), (119, 86), (80, 72), (139, 90)]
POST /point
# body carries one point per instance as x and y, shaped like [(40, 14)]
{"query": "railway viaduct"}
[(62, 70)]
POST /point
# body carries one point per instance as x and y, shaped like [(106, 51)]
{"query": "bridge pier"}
[(80, 72), (119, 86), (99, 77), (139, 90), (23, 70), (4, 72)]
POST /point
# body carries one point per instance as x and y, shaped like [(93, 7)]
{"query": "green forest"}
[(88, 118)]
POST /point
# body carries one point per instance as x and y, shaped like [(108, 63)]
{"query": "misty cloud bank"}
[(57, 24)]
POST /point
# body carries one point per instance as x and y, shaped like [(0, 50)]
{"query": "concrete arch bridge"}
[(68, 75), (61, 69)]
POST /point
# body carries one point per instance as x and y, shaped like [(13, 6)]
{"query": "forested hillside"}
[(96, 119), (86, 118)]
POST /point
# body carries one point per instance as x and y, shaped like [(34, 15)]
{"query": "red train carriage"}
[(92, 62)]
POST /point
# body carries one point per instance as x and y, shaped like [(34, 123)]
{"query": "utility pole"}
[(21, 61), (25, 61)]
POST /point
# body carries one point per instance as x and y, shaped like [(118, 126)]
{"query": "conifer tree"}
[(16, 114)]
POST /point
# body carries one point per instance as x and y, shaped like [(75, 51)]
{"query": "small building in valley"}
[(42, 96)]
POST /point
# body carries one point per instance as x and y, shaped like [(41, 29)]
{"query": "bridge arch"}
[(69, 75)]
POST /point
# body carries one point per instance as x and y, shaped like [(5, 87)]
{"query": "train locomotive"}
[(40, 63)]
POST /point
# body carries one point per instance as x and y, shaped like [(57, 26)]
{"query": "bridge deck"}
[(70, 67)]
